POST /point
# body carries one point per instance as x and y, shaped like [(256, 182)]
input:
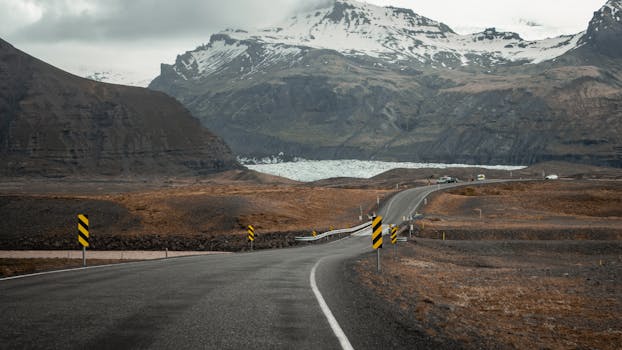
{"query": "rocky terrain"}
[(56, 124), (354, 80)]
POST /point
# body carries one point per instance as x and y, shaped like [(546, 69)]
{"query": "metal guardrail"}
[(333, 232)]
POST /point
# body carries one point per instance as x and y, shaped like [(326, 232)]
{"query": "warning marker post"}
[(394, 240), (251, 235), (83, 235), (376, 238)]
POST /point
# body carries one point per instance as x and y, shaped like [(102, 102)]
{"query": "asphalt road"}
[(258, 300)]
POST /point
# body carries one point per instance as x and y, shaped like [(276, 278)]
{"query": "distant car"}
[(552, 177), (442, 180), (481, 177), (446, 180)]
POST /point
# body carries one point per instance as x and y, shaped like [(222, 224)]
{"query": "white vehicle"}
[(446, 180), (552, 177), (481, 177)]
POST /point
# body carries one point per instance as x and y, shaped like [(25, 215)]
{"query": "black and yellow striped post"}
[(394, 240), (376, 236), (394, 235), (83, 234), (314, 233), (251, 235)]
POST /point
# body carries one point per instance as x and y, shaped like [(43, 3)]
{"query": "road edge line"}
[(63, 270), (332, 321), (75, 269)]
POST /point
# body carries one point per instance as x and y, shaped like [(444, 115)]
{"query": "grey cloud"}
[(146, 19)]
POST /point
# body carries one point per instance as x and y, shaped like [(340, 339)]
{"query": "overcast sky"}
[(133, 37)]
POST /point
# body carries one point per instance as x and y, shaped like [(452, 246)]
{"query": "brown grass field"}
[(211, 214)]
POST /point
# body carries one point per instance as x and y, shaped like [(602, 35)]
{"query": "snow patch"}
[(217, 56), (116, 77)]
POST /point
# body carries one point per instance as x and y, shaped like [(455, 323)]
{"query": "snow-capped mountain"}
[(354, 80), (605, 29), (396, 34), (390, 35), (116, 77)]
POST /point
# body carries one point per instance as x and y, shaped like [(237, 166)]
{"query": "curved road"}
[(261, 300), (405, 203)]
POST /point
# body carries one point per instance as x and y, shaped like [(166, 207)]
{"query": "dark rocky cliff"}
[(570, 110), (55, 124)]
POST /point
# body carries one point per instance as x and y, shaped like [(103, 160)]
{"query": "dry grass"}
[(496, 293), (230, 208), (557, 204), (217, 208), (493, 297)]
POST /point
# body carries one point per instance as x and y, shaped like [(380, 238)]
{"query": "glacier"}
[(313, 170)]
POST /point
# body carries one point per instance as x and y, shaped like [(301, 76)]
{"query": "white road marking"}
[(343, 339), (82, 268), (59, 271)]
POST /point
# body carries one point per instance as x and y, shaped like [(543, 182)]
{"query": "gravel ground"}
[(506, 294)]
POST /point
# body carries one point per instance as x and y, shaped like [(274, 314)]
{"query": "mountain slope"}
[(361, 81), (397, 35), (605, 30), (55, 124)]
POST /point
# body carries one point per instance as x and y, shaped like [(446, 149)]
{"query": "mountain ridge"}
[(53, 123), (393, 34), (272, 91)]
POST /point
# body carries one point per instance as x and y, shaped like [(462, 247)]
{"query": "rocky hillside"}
[(355, 80), (55, 124)]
